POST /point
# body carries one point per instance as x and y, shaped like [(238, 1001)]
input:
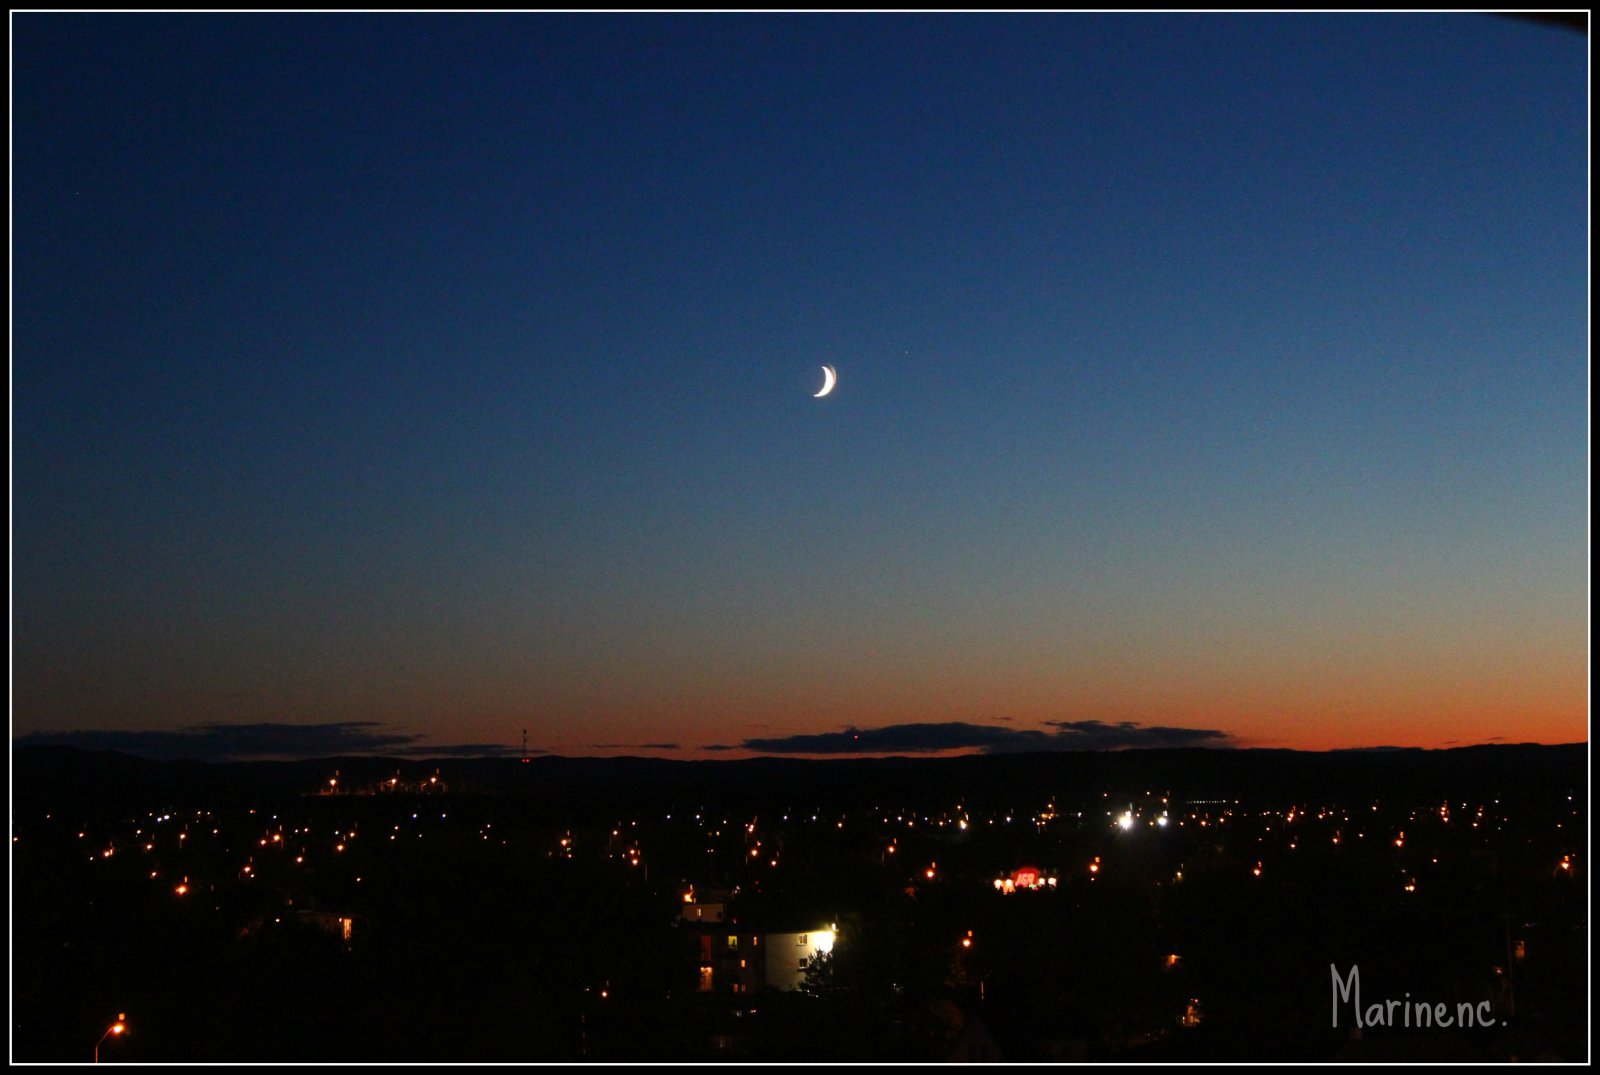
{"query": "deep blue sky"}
[(455, 373)]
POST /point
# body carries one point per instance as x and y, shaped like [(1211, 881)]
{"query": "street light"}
[(114, 1030)]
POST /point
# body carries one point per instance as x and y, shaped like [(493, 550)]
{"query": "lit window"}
[(803, 937), (733, 941)]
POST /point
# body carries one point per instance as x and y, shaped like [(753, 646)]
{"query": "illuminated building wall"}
[(788, 955)]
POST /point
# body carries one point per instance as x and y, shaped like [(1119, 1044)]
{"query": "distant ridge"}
[(51, 774)]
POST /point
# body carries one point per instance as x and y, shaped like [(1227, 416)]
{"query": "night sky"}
[(409, 381)]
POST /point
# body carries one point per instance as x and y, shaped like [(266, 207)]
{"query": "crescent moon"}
[(831, 379)]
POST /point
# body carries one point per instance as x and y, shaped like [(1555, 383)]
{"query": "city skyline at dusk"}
[(401, 383)]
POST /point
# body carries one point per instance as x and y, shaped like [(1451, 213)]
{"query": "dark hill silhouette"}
[(603, 785)]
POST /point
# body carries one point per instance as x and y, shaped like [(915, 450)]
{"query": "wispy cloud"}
[(987, 738), (635, 746), (225, 742), (467, 750)]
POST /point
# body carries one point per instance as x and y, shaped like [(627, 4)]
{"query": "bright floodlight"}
[(1126, 820)]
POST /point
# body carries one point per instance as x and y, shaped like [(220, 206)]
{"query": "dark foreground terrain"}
[(1142, 905)]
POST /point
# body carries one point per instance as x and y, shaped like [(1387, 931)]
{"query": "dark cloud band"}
[(990, 739), (227, 742)]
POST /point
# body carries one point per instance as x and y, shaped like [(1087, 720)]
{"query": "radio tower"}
[(525, 746)]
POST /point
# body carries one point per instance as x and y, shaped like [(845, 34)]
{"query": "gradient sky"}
[(455, 374)]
